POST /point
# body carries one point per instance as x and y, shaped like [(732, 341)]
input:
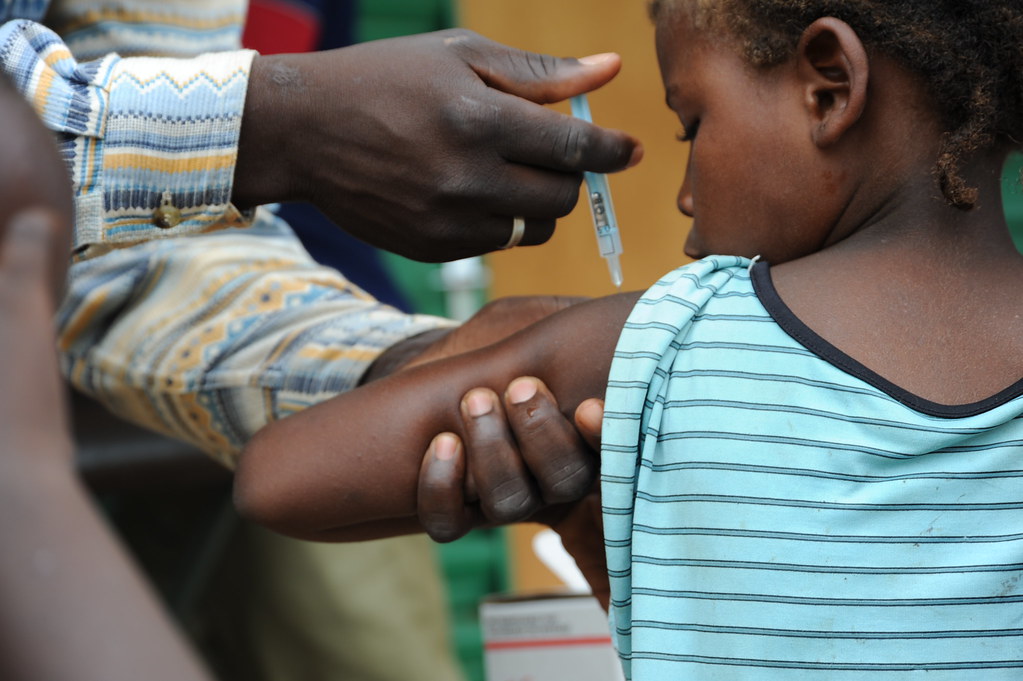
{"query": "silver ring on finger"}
[(518, 231)]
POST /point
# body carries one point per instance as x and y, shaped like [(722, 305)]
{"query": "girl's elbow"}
[(249, 500), (258, 496)]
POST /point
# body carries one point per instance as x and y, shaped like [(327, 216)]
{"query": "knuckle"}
[(574, 146), (541, 66), (511, 500), (453, 185), (465, 120), (459, 39), (458, 33), (470, 118), (570, 482)]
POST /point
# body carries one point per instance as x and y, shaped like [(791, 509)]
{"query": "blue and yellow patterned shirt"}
[(213, 326)]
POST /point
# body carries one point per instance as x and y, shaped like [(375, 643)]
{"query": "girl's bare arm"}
[(349, 467)]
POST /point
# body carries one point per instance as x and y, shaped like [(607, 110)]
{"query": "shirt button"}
[(167, 215)]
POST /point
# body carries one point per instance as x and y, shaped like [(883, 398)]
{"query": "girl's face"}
[(754, 182)]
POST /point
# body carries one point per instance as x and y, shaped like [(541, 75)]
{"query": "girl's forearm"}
[(354, 460)]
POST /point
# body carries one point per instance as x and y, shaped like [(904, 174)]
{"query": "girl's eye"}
[(688, 133)]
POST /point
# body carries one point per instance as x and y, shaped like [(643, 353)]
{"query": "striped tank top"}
[(775, 510)]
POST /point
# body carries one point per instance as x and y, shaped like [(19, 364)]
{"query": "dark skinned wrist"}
[(265, 171)]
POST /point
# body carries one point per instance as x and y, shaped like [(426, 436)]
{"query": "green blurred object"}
[(1012, 198), (475, 565), (376, 19)]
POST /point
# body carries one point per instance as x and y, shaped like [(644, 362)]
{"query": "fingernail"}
[(637, 156), (521, 390), (479, 404), (595, 59), (445, 447)]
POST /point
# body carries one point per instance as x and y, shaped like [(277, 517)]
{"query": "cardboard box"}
[(547, 637)]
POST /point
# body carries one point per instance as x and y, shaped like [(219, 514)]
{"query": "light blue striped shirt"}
[(775, 510)]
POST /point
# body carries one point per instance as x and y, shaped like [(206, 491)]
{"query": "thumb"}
[(544, 79), (589, 417)]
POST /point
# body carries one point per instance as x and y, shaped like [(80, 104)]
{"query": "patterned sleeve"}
[(212, 325), (208, 338), (143, 137)]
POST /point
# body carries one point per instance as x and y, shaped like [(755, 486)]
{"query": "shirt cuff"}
[(165, 166), (150, 143), (69, 97)]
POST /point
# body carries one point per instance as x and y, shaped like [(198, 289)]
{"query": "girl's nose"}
[(685, 197), (685, 192)]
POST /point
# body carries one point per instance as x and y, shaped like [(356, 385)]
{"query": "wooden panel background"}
[(652, 229)]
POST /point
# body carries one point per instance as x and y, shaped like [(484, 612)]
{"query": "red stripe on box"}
[(548, 643)]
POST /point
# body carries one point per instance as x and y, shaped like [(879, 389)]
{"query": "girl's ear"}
[(833, 65)]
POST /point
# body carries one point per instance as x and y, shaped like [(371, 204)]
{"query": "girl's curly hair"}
[(968, 53)]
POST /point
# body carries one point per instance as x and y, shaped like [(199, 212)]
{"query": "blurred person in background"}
[(75, 607)]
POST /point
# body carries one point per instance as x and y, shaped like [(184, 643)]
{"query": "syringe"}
[(603, 211)]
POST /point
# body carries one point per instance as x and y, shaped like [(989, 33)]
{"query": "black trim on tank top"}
[(763, 286)]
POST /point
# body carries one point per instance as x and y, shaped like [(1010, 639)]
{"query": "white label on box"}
[(548, 639)]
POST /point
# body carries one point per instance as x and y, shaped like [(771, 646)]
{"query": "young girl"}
[(811, 461)]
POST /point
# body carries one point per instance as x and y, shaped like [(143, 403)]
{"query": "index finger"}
[(564, 466), (534, 135), (440, 500)]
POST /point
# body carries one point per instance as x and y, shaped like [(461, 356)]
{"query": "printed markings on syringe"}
[(599, 212)]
